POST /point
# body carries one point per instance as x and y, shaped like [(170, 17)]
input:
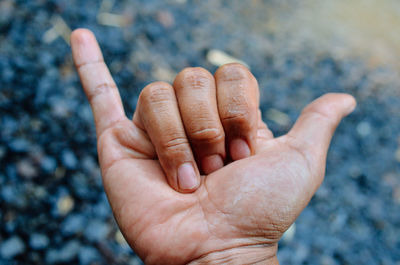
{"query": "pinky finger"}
[(96, 80)]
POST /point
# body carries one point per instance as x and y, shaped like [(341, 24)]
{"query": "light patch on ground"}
[(366, 28)]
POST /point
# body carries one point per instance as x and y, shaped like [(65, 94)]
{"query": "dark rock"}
[(73, 224), (38, 241), (96, 230), (12, 247), (69, 159), (2, 152), (65, 254), (26, 169), (19, 145), (48, 164), (88, 255)]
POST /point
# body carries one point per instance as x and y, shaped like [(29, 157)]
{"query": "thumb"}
[(314, 128)]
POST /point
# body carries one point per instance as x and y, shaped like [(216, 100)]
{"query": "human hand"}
[(236, 213)]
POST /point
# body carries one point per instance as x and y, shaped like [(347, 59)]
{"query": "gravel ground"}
[(53, 208)]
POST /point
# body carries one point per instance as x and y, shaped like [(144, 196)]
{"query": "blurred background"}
[(53, 209)]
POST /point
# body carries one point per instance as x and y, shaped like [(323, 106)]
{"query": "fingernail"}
[(239, 149), (187, 177), (211, 163)]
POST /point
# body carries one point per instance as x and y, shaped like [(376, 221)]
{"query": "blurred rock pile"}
[(52, 206)]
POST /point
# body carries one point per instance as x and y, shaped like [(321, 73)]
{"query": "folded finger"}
[(238, 96), (196, 95), (158, 114)]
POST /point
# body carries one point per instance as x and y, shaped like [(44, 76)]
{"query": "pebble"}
[(12, 247), (96, 231), (2, 152), (289, 234), (88, 255), (38, 241), (135, 261), (121, 239), (66, 254), (219, 58), (19, 145), (65, 204), (26, 169), (73, 224), (9, 193), (397, 155), (48, 164), (279, 117), (364, 129), (69, 159), (166, 19)]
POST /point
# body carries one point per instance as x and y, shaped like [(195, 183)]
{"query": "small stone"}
[(279, 117), (396, 195), (2, 152), (73, 224), (219, 58), (39, 192), (88, 255), (65, 204), (60, 109), (289, 234), (12, 247), (26, 169), (65, 254), (166, 19), (397, 155), (121, 239), (38, 241), (19, 145), (9, 193), (164, 74), (355, 171), (48, 164), (364, 129), (181, 2), (114, 20), (96, 231), (59, 173), (135, 261), (69, 159)]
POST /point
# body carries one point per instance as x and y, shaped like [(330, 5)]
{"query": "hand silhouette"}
[(252, 186)]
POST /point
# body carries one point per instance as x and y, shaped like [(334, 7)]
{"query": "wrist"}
[(260, 254)]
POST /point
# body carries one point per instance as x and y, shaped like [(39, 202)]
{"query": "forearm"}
[(265, 255)]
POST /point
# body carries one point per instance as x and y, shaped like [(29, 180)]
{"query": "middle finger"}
[(196, 93)]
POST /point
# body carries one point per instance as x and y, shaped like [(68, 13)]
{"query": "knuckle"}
[(238, 108), (173, 144), (156, 92), (321, 115), (239, 118), (210, 135), (195, 78), (100, 89)]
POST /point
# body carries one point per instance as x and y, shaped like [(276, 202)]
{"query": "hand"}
[(151, 164)]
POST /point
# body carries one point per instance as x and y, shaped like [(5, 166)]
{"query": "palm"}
[(148, 161), (251, 201)]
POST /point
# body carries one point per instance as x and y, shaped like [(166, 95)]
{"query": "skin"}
[(248, 187)]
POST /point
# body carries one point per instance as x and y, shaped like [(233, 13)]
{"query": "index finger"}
[(96, 80)]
